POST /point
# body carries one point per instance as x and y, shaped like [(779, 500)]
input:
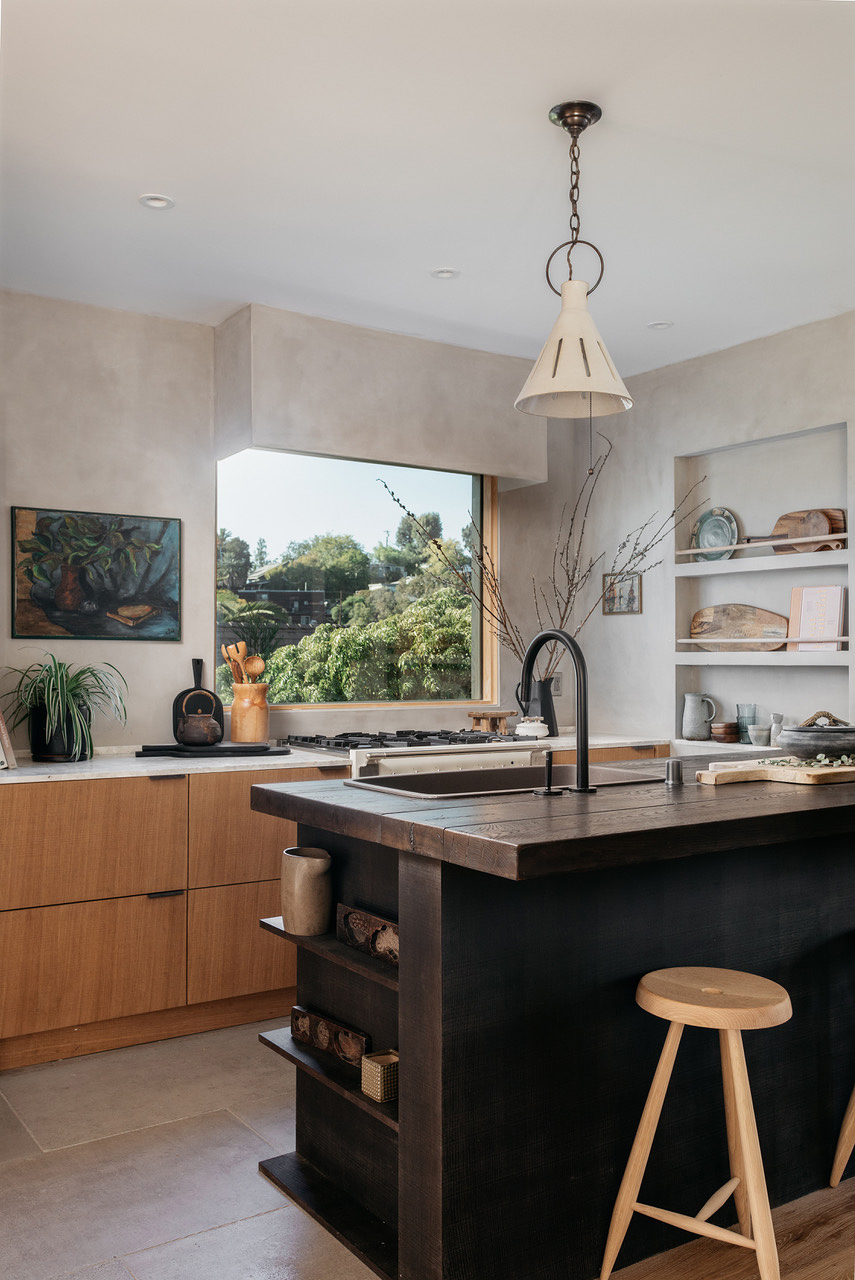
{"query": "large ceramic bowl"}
[(805, 741)]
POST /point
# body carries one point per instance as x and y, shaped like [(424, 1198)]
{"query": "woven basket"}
[(380, 1075)]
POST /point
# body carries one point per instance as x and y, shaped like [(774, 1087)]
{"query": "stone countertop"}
[(566, 740), (124, 764), (121, 765), (524, 835)]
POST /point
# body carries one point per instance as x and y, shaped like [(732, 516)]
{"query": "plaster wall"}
[(295, 382), (780, 385), (111, 411)]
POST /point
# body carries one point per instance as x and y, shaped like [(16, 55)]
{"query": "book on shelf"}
[(816, 614), (7, 755)]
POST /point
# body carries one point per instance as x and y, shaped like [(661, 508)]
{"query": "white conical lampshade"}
[(574, 375)]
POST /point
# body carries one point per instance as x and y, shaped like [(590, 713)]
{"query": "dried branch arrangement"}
[(566, 593)]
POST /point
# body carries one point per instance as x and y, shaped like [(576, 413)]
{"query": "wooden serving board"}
[(737, 622), (723, 771), (823, 522)]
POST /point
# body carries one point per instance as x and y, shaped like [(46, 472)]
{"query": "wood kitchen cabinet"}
[(654, 752), (87, 961), (81, 940), (234, 865), (129, 909), (100, 838)]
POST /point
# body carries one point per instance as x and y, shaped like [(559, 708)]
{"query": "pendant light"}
[(574, 377)]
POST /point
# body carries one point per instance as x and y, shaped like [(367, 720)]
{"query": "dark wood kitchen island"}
[(525, 923)]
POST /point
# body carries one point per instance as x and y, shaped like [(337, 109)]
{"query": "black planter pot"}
[(57, 749)]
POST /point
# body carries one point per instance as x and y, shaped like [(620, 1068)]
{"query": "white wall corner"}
[(233, 384)]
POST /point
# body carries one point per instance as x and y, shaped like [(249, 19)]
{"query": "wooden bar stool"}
[(845, 1143), (731, 1002)]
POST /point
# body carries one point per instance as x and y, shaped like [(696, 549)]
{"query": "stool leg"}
[(755, 1180), (845, 1143), (734, 1147), (638, 1156)]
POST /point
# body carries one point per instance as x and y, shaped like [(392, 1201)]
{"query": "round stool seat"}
[(723, 998)]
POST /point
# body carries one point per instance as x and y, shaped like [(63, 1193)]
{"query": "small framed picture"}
[(621, 593)]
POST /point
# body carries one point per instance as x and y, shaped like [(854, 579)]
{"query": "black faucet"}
[(562, 637)]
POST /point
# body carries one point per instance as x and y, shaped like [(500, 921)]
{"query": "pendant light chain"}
[(574, 201)]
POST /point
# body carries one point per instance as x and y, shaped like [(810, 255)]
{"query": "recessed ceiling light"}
[(445, 273), (154, 201), (661, 324)]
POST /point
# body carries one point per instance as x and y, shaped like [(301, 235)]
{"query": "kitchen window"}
[(349, 593)]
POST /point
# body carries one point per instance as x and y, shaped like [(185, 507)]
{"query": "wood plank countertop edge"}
[(524, 836)]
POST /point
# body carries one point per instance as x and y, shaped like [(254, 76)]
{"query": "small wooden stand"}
[(491, 721)]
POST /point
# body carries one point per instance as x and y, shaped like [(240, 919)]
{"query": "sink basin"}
[(459, 783)]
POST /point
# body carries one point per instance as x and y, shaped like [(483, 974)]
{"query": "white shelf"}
[(776, 658), (763, 542), (762, 564)]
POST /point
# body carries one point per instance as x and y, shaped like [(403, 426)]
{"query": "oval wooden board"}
[(738, 622)]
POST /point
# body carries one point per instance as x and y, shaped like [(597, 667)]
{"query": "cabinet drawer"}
[(86, 961), (229, 843), (109, 837), (608, 753), (228, 952)]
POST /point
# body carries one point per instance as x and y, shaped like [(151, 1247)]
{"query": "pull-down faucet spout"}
[(562, 637)]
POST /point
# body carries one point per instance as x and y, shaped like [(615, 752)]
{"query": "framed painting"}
[(90, 576), (621, 593)]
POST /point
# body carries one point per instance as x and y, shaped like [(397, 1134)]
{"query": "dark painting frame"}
[(89, 575)]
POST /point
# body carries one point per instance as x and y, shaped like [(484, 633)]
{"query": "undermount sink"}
[(457, 784)]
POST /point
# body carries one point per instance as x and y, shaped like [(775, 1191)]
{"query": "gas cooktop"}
[(345, 742)]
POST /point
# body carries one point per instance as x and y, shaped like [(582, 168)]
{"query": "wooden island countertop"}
[(525, 924), (523, 836)]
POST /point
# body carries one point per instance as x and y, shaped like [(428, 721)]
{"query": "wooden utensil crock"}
[(250, 720)]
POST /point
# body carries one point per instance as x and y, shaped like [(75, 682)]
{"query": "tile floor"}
[(142, 1162)]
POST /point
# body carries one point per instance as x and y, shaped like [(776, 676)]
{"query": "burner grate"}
[(397, 739)]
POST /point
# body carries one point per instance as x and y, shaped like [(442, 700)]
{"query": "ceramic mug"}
[(306, 891)]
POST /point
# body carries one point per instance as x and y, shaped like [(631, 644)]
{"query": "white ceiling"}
[(325, 155)]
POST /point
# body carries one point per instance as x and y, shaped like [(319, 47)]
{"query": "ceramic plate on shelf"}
[(716, 528)]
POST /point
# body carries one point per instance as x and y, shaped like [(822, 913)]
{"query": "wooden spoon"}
[(236, 658), (254, 666)]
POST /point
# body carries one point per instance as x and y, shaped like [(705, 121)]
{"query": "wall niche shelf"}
[(815, 658), (796, 563), (759, 481)]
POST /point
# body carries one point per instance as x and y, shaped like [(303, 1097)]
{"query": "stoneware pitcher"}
[(306, 891), (696, 726)]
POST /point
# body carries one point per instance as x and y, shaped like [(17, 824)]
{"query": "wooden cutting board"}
[(752, 771), (738, 622), (824, 522)]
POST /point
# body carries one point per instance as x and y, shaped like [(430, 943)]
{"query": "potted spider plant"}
[(57, 701)]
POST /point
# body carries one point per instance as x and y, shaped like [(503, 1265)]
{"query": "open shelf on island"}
[(328, 946), (373, 1241), (336, 1075)]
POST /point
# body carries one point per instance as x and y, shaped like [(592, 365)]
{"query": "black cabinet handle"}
[(166, 893), (165, 777)]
